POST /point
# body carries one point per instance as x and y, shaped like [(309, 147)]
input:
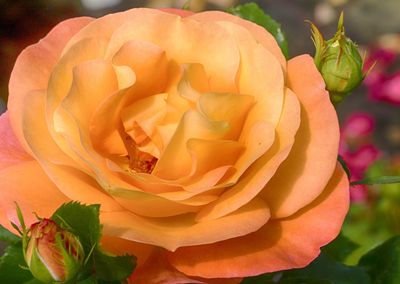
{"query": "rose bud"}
[(339, 62), (53, 254)]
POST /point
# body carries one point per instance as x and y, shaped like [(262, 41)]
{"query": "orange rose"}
[(211, 156)]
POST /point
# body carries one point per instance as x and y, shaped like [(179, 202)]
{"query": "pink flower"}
[(358, 126), (382, 85)]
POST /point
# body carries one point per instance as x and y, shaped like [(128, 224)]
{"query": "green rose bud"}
[(53, 254), (339, 62)]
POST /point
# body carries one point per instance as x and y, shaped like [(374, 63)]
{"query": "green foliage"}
[(322, 270), (340, 248), (11, 265), (7, 236), (377, 219), (81, 220), (112, 268), (383, 262), (338, 61), (253, 13), (84, 222), (344, 165), (378, 180), (33, 281)]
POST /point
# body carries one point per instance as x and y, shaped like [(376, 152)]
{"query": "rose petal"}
[(120, 246), (232, 108), (62, 76), (150, 64), (257, 64), (258, 32), (11, 151), (149, 205), (72, 182), (308, 168), (141, 118), (179, 12), (192, 125), (158, 270), (213, 47), (28, 185), (182, 230), (93, 81), (33, 66), (255, 178), (209, 155), (281, 244)]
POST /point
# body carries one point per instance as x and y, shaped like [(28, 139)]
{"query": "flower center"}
[(139, 161)]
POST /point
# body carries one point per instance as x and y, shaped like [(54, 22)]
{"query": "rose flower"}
[(211, 155)]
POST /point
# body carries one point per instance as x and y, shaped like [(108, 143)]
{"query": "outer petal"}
[(311, 162), (183, 230), (33, 66), (28, 185), (213, 48), (281, 244), (11, 151), (120, 246), (152, 265), (258, 32), (179, 12), (62, 171), (157, 270)]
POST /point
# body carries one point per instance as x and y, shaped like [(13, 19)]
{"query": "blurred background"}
[(370, 117)]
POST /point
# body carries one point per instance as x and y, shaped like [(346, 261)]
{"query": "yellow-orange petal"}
[(120, 246), (149, 205), (311, 162), (257, 175), (148, 61), (179, 12), (213, 48), (209, 155), (183, 230), (175, 162), (33, 66), (67, 175), (257, 64), (157, 270), (258, 32), (11, 151), (93, 82), (27, 184), (281, 244), (232, 108), (62, 75)]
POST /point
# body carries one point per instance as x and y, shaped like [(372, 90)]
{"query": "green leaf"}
[(344, 166), (378, 180), (90, 280), (340, 248), (323, 270), (11, 264), (383, 262), (81, 220), (7, 236), (253, 13), (34, 281), (113, 268)]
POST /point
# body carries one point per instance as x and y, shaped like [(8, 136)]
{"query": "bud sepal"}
[(338, 61), (52, 253)]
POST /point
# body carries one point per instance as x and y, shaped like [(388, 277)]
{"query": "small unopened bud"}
[(53, 254), (338, 61)]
